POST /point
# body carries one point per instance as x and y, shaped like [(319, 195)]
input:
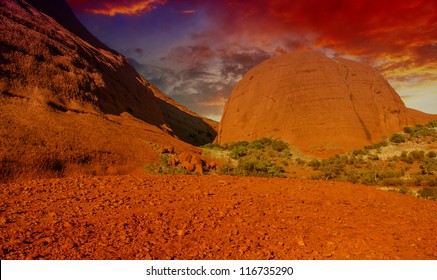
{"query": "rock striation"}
[(316, 103)]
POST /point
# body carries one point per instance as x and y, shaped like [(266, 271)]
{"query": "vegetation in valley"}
[(265, 157), (404, 160)]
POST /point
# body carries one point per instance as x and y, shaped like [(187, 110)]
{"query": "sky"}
[(195, 51)]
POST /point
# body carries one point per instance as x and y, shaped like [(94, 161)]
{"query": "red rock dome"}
[(316, 103)]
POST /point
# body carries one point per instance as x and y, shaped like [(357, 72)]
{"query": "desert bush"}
[(412, 156), (432, 124), (431, 181), (408, 130), (332, 167), (376, 146), (392, 182), (230, 146), (279, 145), (404, 190), (424, 130), (226, 169), (431, 154), (373, 157), (428, 193), (314, 163), (238, 152), (253, 167), (397, 138), (264, 157), (213, 146), (353, 176), (361, 152), (417, 155), (429, 166)]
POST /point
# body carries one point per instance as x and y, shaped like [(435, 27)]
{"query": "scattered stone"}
[(184, 156), (300, 242), (198, 169), (188, 166)]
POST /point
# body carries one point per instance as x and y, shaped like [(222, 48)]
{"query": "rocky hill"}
[(69, 103), (319, 104)]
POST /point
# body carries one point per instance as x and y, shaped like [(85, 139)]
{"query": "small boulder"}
[(211, 165), (188, 166), (195, 160), (198, 168), (184, 156)]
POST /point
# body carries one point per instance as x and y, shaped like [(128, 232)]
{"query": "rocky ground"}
[(211, 217)]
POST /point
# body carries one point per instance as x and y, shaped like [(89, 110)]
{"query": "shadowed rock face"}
[(48, 55), (69, 105), (42, 60), (316, 103)]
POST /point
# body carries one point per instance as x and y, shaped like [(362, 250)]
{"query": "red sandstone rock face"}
[(48, 55), (316, 103), (71, 106)]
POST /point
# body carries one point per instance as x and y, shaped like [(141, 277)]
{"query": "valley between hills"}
[(315, 158)]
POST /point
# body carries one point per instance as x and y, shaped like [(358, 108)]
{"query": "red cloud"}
[(338, 23), (114, 7), (382, 33)]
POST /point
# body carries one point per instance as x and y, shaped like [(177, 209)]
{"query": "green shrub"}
[(238, 152), (428, 193), (408, 130), (388, 173), (392, 182), (279, 145), (230, 146), (397, 138), (331, 168), (417, 155), (374, 157), (314, 163), (212, 146), (258, 167), (362, 152), (412, 156), (264, 157), (432, 154), (258, 145), (404, 190), (226, 169), (376, 146), (353, 176), (429, 166), (432, 124)]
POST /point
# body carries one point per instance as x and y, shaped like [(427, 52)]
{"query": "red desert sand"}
[(211, 217)]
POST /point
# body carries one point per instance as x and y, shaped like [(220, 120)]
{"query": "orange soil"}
[(211, 217)]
